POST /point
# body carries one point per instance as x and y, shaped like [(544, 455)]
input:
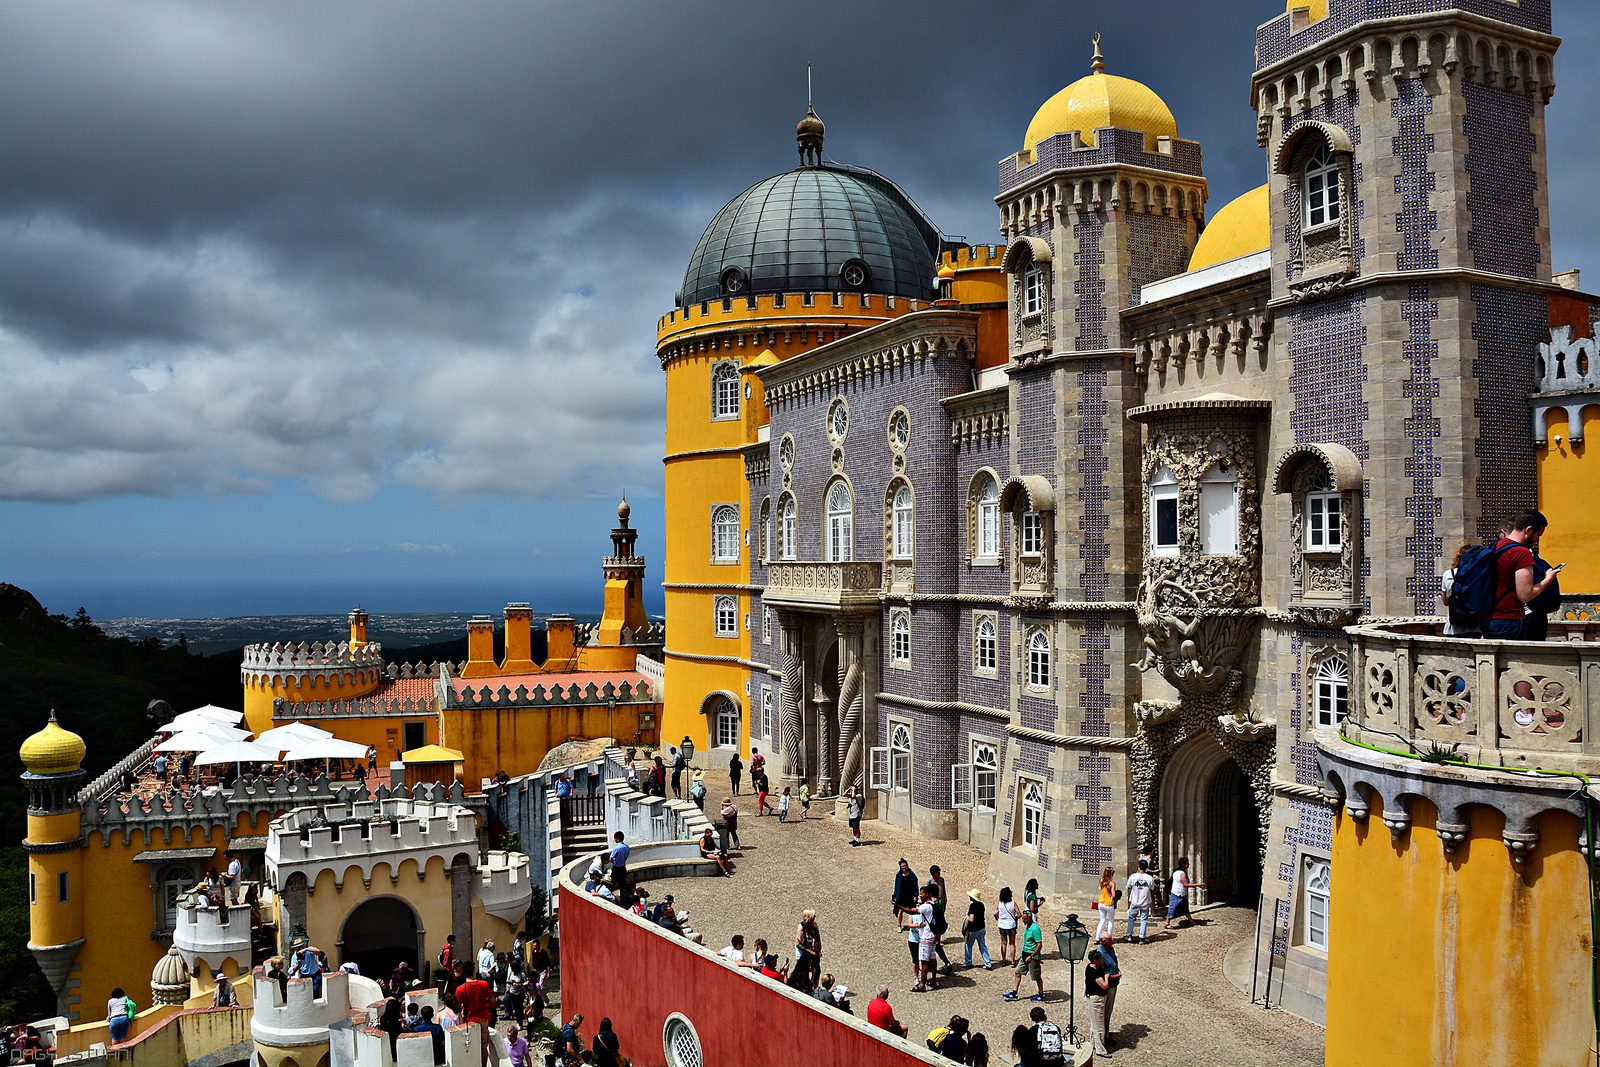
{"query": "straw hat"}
[(976, 894)]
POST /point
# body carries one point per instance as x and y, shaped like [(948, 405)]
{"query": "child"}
[(805, 800), (783, 805)]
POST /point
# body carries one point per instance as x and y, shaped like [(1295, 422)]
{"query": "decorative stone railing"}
[(1514, 704), (211, 933), (298, 1019), (655, 672), (366, 708), (823, 585)]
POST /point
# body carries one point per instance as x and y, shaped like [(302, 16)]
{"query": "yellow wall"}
[(50, 921), (1568, 498), (515, 740), (386, 734), (260, 691), (1463, 959), (327, 907)]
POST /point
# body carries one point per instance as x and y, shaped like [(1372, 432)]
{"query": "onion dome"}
[(169, 982), (1240, 228), (1100, 100), (1318, 9), (808, 132), (623, 511), (53, 750)]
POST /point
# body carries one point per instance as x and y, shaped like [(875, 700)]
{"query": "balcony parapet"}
[(1513, 704), (213, 934), (851, 587)]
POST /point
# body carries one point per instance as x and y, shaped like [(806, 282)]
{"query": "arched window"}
[(727, 724), (1219, 511), (1039, 660), (901, 645), (1322, 188), (1032, 813), (985, 775), (1319, 884), (766, 530), (725, 391), (900, 757), (727, 621), (904, 519), (725, 534), (1323, 504), (1332, 696), (786, 528), (175, 882), (984, 646), (1163, 513), (841, 537), (987, 550)]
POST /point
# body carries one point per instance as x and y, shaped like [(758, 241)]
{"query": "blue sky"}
[(303, 305)]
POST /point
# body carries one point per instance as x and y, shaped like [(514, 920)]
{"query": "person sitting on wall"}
[(771, 968), (710, 851), (667, 917), (879, 1014)]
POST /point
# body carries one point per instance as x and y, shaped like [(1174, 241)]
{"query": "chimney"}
[(558, 634), (358, 628), (519, 641), (480, 648)]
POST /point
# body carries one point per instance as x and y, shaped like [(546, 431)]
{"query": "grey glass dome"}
[(816, 229)]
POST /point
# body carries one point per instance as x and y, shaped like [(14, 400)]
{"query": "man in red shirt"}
[(1514, 584), (477, 1008), (879, 1013)]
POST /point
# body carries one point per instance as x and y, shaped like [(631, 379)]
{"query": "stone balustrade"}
[(1513, 704), (832, 586)]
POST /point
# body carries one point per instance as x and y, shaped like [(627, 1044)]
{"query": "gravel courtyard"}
[(1174, 1005)]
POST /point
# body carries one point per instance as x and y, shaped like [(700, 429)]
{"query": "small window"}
[(175, 883), (1324, 530), (988, 546), (1032, 533), (985, 776), (727, 725), (766, 627), (33, 889), (786, 528), (1032, 291), (900, 757), (1319, 874), (61, 887), (901, 645), (1163, 513), (1219, 512), (766, 530), (985, 647), (899, 430), (1039, 660), (727, 617), (766, 711), (1032, 813), (415, 736), (1332, 695), (904, 522), (725, 534), (725, 391), (786, 452), (838, 421), (1322, 188), (841, 537)]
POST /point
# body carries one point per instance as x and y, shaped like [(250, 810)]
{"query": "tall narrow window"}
[(766, 627), (1332, 691), (1032, 533), (727, 621), (1032, 813), (984, 646), (727, 725), (1163, 513), (725, 391), (61, 887), (901, 628), (904, 518), (900, 757), (786, 528), (725, 535), (1032, 291), (1039, 660), (766, 711), (175, 882), (985, 775), (988, 547), (1324, 531), (1219, 512), (1319, 879), (1322, 188), (766, 530), (841, 538)]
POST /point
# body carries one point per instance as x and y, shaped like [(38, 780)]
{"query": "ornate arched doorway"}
[(380, 932), (1208, 813)]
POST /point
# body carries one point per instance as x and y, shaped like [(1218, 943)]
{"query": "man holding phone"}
[(1516, 585)]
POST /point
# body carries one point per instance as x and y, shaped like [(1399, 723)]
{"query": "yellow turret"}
[(1097, 101), (53, 759)]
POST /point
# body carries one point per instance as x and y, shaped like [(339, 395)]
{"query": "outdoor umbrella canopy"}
[(194, 720), (222, 715), (192, 741), (292, 735), (237, 752), (326, 748)]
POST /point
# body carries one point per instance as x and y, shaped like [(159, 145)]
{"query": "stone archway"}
[(380, 932), (1183, 808), (1208, 811)]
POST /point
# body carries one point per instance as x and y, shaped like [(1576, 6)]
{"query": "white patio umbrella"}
[(193, 720), (227, 715), (236, 752), (192, 741), (290, 736), (326, 748)]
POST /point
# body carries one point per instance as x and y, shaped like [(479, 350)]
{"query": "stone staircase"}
[(582, 841)]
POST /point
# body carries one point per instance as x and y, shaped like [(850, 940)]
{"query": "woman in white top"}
[(1178, 905), (117, 1015), (1005, 917)]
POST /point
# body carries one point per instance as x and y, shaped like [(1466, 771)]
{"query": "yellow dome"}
[(1237, 230), (1319, 8), (1101, 100), (53, 750)]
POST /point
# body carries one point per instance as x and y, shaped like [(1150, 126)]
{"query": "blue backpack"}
[(1472, 594)]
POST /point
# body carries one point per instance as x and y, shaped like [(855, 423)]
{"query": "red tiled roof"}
[(402, 688)]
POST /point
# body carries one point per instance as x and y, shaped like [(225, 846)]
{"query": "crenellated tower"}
[(302, 673)]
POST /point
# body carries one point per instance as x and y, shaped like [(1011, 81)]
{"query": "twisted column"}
[(852, 704), (824, 744), (790, 728)]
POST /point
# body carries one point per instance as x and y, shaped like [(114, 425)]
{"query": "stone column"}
[(852, 702), (791, 731), (824, 741)]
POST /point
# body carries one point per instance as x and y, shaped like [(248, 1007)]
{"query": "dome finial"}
[(1098, 63), (809, 130)]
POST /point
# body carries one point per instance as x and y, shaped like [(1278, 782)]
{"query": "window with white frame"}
[(1318, 881), (786, 528), (1039, 659), (766, 711), (727, 724), (985, 646), (1332, 691), (985, 776), (1163, 513), (727, 617), (725, 534), (900, 628), (175, 882), (766, 627), (1219, 511), (1032, 533), (1032, 291), (725, 391), (1032, 812), (904, 518), (987, 549), (1324, 531), (766, 530), (1322, 188), (841, 537), (900, 757)]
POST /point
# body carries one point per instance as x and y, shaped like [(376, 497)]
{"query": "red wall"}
[(613, 964)]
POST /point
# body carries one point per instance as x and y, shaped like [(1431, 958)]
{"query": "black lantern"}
[(687, 748), (1072, 938)]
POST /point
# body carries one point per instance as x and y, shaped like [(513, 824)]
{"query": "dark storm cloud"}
[(429, 242)]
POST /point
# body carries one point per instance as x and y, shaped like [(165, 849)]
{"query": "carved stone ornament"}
[(1246, 727), (1150, 712)]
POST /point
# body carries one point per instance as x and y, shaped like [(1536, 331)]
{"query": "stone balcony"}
[(1512, 704), (847, 587), (212, 934)]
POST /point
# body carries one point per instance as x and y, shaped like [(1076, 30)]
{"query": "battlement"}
[(971, 256), (212, 934), (1293, 31), (298, 1019), (781, 311), (365, 833), (555, 696), (1111, 147), (398, 671), (654, 633), (360, 708), (289, 657), (503, 886)]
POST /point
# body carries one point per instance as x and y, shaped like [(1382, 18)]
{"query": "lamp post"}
[(687, 748), (1072, 938)]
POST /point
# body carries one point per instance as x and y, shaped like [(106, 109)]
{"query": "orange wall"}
[(1567, 497)]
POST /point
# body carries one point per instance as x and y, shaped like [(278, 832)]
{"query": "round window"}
[(733, 280), (681, 1043), (899, 429), (786, 452), (854, 275), (838, 420)]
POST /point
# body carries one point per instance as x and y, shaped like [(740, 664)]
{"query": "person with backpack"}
[(569, 1046), (1108, 954), (119, 1014), (1048, 1048), (950, 1040), (975, 928), (1496, 583), (678, 765), (940, 923), (1457, 622), (697, 790)]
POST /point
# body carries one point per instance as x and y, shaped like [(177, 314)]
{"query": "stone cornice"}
[(1462, 275), (910, 337)]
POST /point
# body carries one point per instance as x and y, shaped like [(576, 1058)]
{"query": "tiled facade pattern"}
[(1274, 41), (1093, 492), (1089, 305), (1423, 506), (1036, 422), (1111, 147), (1329, 376), (1415, 182), (1158, 247), (1507, 325), (1502, 196)]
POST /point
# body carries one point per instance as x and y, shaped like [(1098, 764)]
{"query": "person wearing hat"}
[(975, 928), (697, 789)]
